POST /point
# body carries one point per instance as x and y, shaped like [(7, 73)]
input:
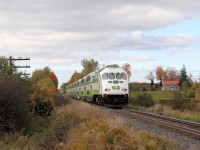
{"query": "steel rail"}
[(183, 122), (162, 123)]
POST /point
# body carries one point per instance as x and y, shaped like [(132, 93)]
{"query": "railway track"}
[(188, 128)]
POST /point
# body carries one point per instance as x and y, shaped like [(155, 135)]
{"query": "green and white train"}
[(107, 86)]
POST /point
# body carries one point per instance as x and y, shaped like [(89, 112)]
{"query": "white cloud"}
[(65, 32)]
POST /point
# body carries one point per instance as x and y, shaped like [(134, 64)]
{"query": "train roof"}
[(96, 72)]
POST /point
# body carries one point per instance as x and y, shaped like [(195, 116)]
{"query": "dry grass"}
[(168, 111), (100, 130), (80, 126)]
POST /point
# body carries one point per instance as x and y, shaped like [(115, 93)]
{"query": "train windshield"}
[(119, 76), (105, 76), (111, 76), (124, 76)]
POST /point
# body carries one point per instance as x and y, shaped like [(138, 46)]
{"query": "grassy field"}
[(157, 95)]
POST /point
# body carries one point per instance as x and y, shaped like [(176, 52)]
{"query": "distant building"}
[(171, 85)]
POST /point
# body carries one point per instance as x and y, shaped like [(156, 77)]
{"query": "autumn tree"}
[(172, 73), (42, 103), (160, 74), (150, 77), (197, 95), (89, 66), (127, 68), (40, 74), (54, 78), (75, 76), (45, 79), (192, 81), (63, 87), (46, 84)]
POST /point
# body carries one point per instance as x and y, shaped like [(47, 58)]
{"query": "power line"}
[(14, 25), (4, 43), (17, 27)]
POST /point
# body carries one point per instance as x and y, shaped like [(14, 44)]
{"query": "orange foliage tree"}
[(76, 75), (160, 74), (127, 68), (46, 84), (54, 78)]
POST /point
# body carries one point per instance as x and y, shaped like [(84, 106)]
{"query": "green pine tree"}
[(184, 77)]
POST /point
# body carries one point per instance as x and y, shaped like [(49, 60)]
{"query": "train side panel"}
[(108, 87)]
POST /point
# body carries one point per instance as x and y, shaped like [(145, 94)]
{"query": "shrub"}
[(57, 130), (197, 95), (190, 93), (184, 86), (59, 99), (153, 142), (180, 102), (143, 99), (144, 89), (42, 103), (14, 112)]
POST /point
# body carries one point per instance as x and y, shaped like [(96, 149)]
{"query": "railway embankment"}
[(80, 125)]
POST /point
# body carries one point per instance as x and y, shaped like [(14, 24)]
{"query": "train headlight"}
[(107, 89), (124, 89)]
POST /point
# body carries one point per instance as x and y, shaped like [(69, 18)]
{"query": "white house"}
[(171, 85)]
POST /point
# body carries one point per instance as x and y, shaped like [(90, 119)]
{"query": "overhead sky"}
[(61, 33)]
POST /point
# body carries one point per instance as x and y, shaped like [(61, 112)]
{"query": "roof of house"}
[(168, 82)]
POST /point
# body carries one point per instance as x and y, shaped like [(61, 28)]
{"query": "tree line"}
[(170, 73)]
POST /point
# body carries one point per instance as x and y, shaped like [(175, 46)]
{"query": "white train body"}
[(108, 87)]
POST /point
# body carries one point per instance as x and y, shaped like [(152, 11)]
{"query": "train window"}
[(88, 78), (119, 76), (105, 76), (124, 76), (111, 76)]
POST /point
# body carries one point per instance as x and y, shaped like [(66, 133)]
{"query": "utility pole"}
[(12, 66)]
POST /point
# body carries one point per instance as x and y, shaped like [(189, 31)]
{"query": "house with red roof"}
[(171, 85)]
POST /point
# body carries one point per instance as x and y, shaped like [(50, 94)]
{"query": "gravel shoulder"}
[(184, 142)]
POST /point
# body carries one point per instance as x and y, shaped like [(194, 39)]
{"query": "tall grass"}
[(84, 127), (168, 111), (156, 95), (101, 129), (46, 133)]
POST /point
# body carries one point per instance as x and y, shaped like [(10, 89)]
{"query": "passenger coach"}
[(107, 86)]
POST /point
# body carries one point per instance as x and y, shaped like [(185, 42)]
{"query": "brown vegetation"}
[(99, 129), (14, 107), (197, 95)]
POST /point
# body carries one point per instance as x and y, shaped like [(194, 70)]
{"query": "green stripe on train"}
[(84, 93)]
